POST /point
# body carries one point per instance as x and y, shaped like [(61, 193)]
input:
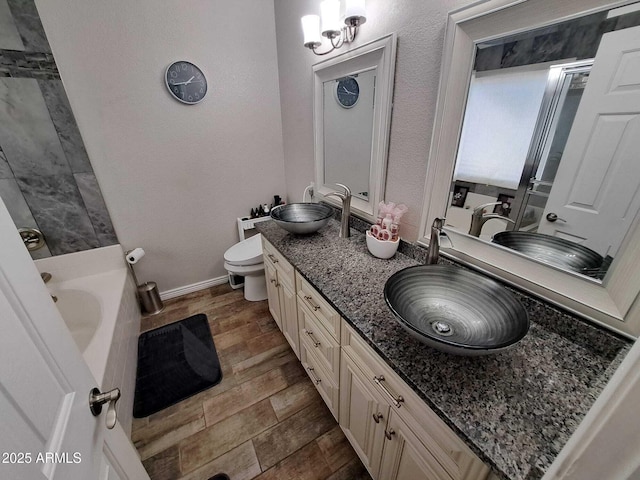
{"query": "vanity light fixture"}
[(337, 31)]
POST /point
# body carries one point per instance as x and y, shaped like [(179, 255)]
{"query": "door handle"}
[(552, 217), (97, 399)]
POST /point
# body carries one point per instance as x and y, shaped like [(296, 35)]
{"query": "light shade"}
[(355, 13), (330, 11), (311, 31)]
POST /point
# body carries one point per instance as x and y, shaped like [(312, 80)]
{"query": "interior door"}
[(48, 430), (596, 193)]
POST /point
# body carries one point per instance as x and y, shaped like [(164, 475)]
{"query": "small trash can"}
[(149, 296)]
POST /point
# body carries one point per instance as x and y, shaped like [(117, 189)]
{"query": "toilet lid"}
[(247, 252)]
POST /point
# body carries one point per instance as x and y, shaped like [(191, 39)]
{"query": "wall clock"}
[(347, 92), (186, 82)]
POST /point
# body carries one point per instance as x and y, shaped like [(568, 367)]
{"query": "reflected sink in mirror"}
[(553, 251), (455, 310), (302, 218)]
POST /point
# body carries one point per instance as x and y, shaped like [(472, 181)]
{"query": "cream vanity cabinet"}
[(319, 342), (396, 435), (281, 294)]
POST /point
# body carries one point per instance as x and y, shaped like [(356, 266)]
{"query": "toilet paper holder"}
[(147, 293)]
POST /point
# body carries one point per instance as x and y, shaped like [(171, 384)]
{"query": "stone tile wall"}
[(46, 178), (579, 39)]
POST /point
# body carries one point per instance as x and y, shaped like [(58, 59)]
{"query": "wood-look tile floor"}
[(264, 420)]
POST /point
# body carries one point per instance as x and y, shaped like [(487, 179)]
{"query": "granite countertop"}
[(515, 409)]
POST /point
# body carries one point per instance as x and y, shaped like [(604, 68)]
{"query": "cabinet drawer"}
[(285, 269), (318, 341), (324, 313), (327, 388), (445, 446)]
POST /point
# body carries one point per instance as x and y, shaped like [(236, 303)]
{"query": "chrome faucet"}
[(46, 276), (479, 218), (346, 209), (433, 253)]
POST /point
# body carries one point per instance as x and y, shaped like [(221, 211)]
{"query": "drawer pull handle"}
[(310, 334), (315, 307), (389, 433), (397, 400), (272, 258), (316, 380), (377, 417)]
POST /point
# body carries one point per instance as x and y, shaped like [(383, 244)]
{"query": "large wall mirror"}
[(534, 161), (352, 111)]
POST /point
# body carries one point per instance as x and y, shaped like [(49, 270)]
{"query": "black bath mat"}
[(174, 362)]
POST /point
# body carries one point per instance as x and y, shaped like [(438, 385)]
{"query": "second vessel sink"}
[(302, 218), (455, 310)]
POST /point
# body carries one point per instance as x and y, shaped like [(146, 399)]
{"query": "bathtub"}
[(96, 299)]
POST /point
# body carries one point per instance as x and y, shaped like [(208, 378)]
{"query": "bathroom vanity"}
[(413, 412)]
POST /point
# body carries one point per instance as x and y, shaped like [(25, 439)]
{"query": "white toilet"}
[(245, 259)]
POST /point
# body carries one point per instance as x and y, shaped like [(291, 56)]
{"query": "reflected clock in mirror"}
[(348, 131), (347, 91), (550, 121), (351, 119)]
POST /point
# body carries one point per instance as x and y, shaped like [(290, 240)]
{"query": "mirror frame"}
[(611, 303), (380, 54)]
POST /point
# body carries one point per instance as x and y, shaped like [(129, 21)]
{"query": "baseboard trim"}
[(194, 287)]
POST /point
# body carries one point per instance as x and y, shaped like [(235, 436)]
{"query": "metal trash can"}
[(149, 296)]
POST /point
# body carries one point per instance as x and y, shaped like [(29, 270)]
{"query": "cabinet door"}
[(289, 318), (363, 415), (273, 292), (405, 457)]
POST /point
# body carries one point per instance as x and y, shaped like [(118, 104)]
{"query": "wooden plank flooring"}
[(265, 420)]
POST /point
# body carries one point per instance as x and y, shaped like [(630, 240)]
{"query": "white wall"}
[(419, 25), (174, 177)]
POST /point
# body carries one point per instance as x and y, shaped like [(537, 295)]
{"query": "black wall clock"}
[(347, 92), (186, 82)]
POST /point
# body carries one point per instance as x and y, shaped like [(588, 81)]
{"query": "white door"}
[(47, 429), (597, 188)]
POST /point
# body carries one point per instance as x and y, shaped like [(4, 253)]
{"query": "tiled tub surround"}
[(515, 409), (46, 179)]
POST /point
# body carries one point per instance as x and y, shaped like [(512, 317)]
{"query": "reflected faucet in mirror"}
[(479, 218), (346, 209)]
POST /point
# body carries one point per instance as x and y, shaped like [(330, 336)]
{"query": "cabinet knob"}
[(389, 433), (377, 417)]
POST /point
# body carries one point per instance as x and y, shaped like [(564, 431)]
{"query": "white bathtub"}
[(96, 299)]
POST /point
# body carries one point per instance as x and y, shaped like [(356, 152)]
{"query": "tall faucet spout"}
[(345, 197), (433, 253)]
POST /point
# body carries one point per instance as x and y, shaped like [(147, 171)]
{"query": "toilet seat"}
[(246, 252)]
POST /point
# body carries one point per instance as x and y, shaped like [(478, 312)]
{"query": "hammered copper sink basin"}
[(455, 310)]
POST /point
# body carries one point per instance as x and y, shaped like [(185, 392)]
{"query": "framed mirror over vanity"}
[(536, 141), (351, 114)]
